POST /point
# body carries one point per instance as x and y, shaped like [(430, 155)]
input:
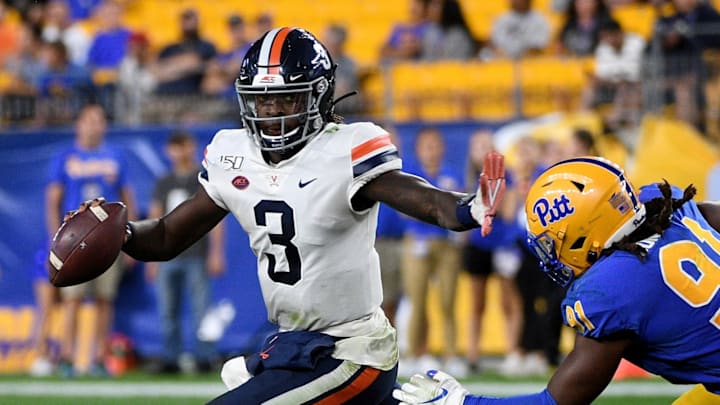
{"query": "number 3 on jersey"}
[(696, 291), (287, 227)]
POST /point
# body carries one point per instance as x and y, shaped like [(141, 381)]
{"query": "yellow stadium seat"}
[(373, 89), (447, 93), (491, 87), (406, 81), (551, 84), (637, 18)]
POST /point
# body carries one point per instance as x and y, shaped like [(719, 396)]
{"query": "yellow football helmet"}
[(575, 209)]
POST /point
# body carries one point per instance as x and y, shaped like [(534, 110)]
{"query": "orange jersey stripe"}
[(370, 146), (363, 381), (276, 50)]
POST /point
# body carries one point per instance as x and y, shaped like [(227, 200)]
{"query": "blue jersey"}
[(670, 301), (87, 174), (391, 223)]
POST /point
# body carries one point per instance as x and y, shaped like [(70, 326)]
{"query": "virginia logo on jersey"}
[(549, 213)]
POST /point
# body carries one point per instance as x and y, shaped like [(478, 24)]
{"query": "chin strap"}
[(344, 96), (336, 117)]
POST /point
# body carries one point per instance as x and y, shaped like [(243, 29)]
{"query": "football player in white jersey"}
[(306, 187)]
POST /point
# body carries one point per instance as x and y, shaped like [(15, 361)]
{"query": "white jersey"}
[(316, 260)]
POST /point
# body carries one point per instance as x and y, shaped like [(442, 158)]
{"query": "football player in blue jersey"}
[(643, 270)]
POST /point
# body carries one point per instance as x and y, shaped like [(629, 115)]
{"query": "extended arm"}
[(587, 370), (415, 197), (163, 238), (581, 377)]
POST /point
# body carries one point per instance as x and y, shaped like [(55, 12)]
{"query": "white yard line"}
[(113, 389), (210, 390), (616, 389)]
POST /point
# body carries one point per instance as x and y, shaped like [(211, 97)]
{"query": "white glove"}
[(234, 373), (491, 188), (435, 388)]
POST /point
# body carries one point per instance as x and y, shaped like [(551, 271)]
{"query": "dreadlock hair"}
[(658, 213)]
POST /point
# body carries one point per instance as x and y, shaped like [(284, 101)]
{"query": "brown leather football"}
[(87, 244)]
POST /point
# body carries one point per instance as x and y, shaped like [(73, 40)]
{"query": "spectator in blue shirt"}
[(430, 251), (64, 87), (405, 40), (494, 254), (221, 72), (82, 9), (87, 170), (110, 43), (107, 52)]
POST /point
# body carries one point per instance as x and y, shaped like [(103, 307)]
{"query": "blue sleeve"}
[(92, 57), (540, 398), (56, 174), (394, 37)]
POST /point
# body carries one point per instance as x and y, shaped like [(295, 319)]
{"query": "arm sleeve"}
[(540, 398), (372, 154)]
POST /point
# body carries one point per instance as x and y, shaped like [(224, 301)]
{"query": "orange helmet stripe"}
[(276, 50)]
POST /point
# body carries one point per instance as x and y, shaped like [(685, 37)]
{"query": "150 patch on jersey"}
[(230, 162)]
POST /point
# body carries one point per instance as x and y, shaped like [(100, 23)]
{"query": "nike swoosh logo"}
[(295, 77), (443, 394), (301, 184)]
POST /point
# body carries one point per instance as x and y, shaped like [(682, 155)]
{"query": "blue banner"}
[(24, 159)]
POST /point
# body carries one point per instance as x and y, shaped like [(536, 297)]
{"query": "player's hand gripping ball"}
[(87, 243)]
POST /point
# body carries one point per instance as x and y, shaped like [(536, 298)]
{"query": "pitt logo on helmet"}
[(548, 214)]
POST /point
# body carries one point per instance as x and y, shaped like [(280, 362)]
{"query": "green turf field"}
[(141, 388)]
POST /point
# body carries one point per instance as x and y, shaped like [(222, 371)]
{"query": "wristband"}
[(540, 398), (463, 214)]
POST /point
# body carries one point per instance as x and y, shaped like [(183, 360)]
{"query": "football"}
[(87, 244)]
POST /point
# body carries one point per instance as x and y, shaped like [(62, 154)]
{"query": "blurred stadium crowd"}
[(629, 80), (411, 59)]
